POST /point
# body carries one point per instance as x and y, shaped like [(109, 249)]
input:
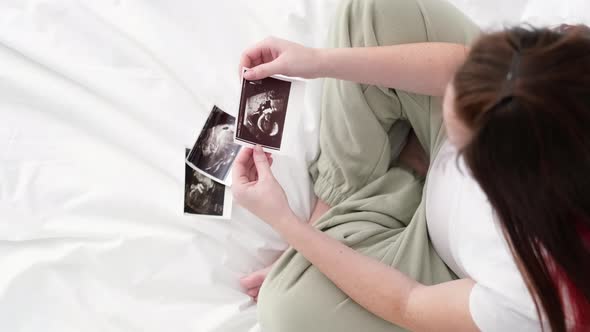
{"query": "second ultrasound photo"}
[(214, 151)]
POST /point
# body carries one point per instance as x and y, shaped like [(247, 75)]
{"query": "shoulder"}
[(493, 311)]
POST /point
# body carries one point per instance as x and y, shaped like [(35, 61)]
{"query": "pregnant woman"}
[(496, 238)]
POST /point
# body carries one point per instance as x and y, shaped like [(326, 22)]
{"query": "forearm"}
[(381, 289), (378, 288), (423, 68)]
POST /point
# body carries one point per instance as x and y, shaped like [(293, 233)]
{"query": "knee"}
[(298, 302), (314, 305), (365, 23), (285, 311)]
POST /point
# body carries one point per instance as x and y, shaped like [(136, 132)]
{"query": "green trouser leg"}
[(378, 207)]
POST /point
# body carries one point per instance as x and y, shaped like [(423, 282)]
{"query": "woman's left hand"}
[(255, 188)]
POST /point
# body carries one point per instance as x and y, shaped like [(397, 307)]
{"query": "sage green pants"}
[(378, 207)]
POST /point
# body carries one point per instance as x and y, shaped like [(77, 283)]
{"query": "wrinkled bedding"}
[(98, 100)]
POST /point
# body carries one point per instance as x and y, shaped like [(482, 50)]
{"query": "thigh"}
[(363, 127), (367, 23)]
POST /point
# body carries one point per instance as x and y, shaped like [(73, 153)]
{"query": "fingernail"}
[(248, 74)]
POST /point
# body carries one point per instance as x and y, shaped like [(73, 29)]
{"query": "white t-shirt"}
[(463, 231)]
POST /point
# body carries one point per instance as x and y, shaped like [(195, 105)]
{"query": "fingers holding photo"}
[(262, 163), (256, 188), (257, 56), (242, 166), (245, 168), (253, 172), (275, 56)]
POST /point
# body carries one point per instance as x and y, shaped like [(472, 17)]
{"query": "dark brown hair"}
[(525, 95)]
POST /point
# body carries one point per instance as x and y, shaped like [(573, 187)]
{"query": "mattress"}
[(98, 101)]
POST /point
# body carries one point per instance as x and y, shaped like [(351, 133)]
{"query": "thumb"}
[(262, 164), (262, 71)]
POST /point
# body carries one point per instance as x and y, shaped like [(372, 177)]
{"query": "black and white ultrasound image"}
[(214, 151), (263, 110), (202, 195)]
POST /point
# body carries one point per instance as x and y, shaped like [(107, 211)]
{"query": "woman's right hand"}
[(274, 56)]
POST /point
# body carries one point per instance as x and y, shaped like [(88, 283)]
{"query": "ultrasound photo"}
[(262, 113), (203, 196), (214, 151)]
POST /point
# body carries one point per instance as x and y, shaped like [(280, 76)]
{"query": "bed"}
[(98, 101)]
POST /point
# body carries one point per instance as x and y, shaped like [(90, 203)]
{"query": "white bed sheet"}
[(98, 100)]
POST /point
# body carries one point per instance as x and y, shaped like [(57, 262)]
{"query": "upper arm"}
[(442, 307)]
